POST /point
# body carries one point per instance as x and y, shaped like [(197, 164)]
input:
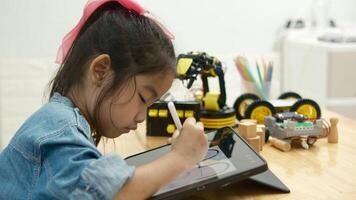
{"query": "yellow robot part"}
[(213, 123), (211, 72), (170, 128), (211, 101), (183, 65)]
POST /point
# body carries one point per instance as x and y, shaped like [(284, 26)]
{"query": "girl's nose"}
[(141, 116)]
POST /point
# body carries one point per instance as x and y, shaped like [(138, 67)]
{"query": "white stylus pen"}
[(173, 111)]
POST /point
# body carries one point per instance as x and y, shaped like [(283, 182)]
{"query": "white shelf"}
[(320, 70)]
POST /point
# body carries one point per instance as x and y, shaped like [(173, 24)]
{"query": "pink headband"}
[(90, 7)]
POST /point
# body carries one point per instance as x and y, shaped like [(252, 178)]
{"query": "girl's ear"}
[(99, 69)]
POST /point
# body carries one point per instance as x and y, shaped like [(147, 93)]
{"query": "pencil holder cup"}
[(263, 91), (267, 89)]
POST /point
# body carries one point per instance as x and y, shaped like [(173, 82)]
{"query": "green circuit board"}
[(303, 125), (298, 125)]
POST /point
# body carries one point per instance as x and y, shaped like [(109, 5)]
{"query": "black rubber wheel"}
[(307, 107), (264, 107), (240, 100), (289, 95)]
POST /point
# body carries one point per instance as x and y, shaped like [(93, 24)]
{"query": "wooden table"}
[(325, 171)]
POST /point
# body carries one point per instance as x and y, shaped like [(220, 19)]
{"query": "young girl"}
[(115, 63)]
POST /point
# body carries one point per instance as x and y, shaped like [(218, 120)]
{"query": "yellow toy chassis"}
[(250, 106)]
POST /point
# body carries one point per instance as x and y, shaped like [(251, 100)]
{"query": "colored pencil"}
[(259, 74), (263, 81)]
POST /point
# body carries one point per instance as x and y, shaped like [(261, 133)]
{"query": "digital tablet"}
[(229, 159)]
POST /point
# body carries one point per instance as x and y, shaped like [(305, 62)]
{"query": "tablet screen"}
[(228, 155)]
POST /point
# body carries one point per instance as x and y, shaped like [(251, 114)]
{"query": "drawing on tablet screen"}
[(214, 164)]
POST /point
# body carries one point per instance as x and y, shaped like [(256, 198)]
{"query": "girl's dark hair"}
[(135, 44)]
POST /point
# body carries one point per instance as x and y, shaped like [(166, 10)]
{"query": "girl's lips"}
[(132, 127), (127, 129)]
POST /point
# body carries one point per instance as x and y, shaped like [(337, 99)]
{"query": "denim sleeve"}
[(102, 178), (77, 170)]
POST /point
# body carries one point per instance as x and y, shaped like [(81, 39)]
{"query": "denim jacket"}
[(53, 156)]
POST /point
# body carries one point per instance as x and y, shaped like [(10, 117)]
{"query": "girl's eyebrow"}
[(152, 90)]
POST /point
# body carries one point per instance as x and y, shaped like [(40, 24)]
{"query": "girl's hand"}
[(188, 148), (191, 144)]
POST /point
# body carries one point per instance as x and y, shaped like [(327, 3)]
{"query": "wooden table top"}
[(325, 171)]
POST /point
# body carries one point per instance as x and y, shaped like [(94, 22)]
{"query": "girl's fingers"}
[(200, 125), (190, 120), (174, 136)]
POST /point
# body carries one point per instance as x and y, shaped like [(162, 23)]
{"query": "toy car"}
[(292, 126), (250, 106)]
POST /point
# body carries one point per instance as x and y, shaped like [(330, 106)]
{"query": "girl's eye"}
[(142, 99)]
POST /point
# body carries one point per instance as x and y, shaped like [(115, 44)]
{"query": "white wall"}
[(31, 31), (35, 28), (22, 86)]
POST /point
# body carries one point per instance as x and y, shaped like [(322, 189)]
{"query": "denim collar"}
[(61, 99), (81, 121)]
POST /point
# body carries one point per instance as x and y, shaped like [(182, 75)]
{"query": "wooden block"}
[(261, 133), (253, 121), (247, 130), (255, 143), (240, 130), (333, 134), (261, 126), (280, 144)]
